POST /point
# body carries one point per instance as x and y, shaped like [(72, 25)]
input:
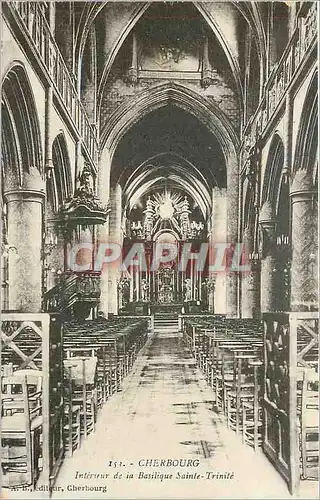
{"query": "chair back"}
[(7, 369), (310, 390), (81, 369), (34, 379), (14, 397)]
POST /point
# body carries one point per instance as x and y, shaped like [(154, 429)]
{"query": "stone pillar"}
[(268, 258), (137, 282), (54, 258), (206, 79), (25, 235), (210, 293), (51, 16), (251, 292), (217, 294), (304, 267), (133, 70), (102, 235), (116, 236), (250, 281), (232, 233)]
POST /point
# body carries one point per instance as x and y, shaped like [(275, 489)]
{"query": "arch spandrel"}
[(132, 111)]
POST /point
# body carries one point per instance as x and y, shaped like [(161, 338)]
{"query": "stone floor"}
[(165, 411)]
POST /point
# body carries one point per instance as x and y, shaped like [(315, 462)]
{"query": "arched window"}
[(278, 31), (65, 30), (253, 81), (88, 78)]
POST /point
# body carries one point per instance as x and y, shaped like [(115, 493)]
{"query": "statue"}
[(124, 290), (144, 290), (188, 292), (165, 294)]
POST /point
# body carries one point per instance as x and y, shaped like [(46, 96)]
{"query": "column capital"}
[(267, 226), (302, 188), (301, 196), (24, 195), (267, 217)]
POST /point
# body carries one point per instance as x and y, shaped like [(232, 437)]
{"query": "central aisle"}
[(165, 411)]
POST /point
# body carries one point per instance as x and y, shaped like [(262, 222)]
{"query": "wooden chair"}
[(252, 424), (82, 371), (310, 425), (225, 371), (20, 432), (72, 419), (34, 384), (243, 387)]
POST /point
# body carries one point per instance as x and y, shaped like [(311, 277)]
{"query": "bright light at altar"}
[(166, 204)]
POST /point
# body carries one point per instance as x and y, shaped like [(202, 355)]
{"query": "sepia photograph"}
[(159, 250)]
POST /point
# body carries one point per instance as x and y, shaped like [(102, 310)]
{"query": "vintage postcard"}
[(159, 250)]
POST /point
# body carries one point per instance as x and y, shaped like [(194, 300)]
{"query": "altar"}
[(165, 295), (165, 285), (164, 222)]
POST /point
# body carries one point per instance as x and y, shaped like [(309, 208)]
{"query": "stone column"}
[(116, 236), (51, 16), (133, 70), (250, 282), (268, 258), (25, 235), (218, 294), (232, 233), (102, 235), (206, 66), (304, 267), (54, 259)]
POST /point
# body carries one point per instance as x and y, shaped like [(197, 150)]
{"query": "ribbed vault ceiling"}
[(169, 146)]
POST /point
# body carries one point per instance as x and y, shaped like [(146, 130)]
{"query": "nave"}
[(159, 156), (166, 410)]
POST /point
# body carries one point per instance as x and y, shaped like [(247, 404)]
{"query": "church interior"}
[(189, 127)]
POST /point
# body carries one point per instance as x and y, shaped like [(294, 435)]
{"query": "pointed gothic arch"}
[(273, 171), (251, 16), (21, 139), (59, 186), (131, 111), (305, 157)]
